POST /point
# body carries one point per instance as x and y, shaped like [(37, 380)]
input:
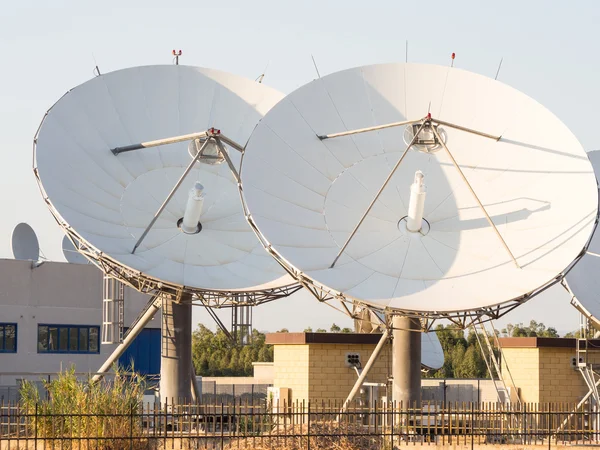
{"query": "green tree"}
[(462, 356), (214, 354), (335, 328), (534, 329)]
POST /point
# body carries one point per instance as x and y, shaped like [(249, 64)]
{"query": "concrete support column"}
[(406, 361), (176, 351)]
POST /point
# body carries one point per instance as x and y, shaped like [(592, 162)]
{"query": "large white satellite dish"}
[(510, 198), (107, 201), (583, 280), (24, 243)]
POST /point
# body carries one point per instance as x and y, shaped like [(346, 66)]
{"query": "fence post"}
[(164, 421), (549, 427), (308, 428), (472, 426), (35, 425), (222, 430), (391, 418), (131, 427)]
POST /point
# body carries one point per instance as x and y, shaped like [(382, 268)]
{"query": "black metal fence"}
[(310, 425)]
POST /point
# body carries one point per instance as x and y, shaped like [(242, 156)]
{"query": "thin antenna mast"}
[(315, 64), (261, 77), (406, 51), (498, 71), (96, 70)]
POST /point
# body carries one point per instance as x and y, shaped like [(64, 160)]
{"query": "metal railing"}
[(316, 425)]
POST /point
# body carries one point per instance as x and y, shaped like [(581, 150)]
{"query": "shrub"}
[(77, 409)]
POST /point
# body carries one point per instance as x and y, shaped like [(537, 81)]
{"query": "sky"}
[(548, 49)]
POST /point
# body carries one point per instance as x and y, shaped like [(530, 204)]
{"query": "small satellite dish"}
[(131, 166), (491, 202), (368, 321), (71, 254), (583, 280), (432, 354), (24, 243)]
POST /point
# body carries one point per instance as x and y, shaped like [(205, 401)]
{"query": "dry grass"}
[(80, 409), (323, 436)]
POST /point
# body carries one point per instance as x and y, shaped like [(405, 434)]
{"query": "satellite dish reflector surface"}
[(510, 202), (432, 354), (106, 201), (24, 243), (71, 254), (583, 280)]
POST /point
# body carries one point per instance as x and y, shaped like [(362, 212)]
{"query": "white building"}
[(51, 317)]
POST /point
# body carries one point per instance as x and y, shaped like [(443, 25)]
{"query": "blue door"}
[(144, 353)]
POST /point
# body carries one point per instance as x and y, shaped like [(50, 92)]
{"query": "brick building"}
[(313, 365), (545, 369)]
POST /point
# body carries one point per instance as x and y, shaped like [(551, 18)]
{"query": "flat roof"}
[(542, 342), (322, 338)]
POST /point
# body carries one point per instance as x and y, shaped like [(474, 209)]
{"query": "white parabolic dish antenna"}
[(24, 243), (432, 354), (510, 198), (583, 280), (106, 202)]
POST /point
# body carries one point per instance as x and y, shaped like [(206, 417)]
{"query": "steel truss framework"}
[(461, 318), (151, 285)]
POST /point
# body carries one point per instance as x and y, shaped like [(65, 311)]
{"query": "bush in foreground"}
[(81, 409)]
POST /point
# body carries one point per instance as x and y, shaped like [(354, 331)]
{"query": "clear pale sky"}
[(550, 52)]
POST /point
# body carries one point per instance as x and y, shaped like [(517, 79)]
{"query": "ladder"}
[(113, 310), (491, 361)]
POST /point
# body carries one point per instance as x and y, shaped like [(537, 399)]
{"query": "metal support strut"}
[(171, 140), (387, 180), (428, 120), (170, 196), (487, 216), (149, 312), (211, 135), (363, 376)]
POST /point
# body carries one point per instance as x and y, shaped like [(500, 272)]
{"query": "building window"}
[(68, 339), (8, 338)]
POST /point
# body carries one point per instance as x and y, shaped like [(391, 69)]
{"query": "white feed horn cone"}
[(416, 205), (193, 209)]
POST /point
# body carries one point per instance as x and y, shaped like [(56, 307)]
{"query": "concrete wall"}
[(458, 390), (54, 293), (263, 370)]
